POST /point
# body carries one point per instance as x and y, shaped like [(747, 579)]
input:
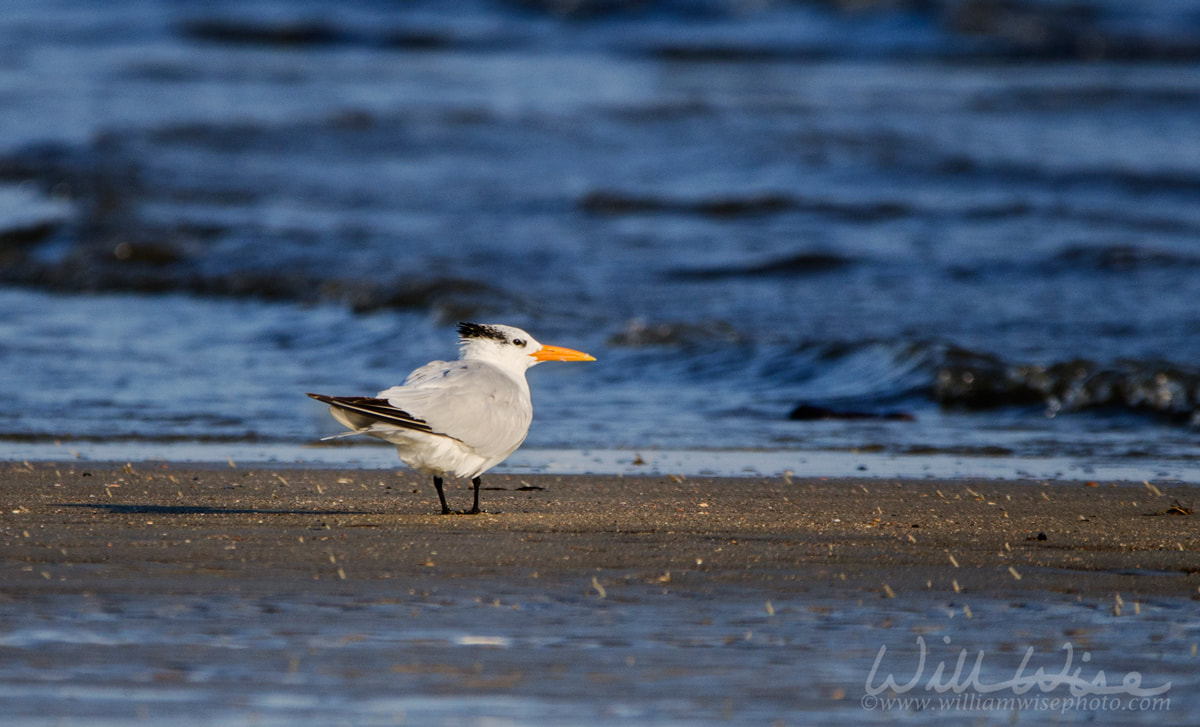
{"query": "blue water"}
[(983, 222), (514, 653)]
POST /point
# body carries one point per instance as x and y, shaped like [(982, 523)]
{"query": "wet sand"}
[(1093, 539), (570, 594)]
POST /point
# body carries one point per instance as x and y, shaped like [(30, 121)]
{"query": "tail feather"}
[(339, 435)]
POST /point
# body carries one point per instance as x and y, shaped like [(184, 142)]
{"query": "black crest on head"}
[(476, 330)]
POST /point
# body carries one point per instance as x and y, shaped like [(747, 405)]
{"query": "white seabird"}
[(457, 418)]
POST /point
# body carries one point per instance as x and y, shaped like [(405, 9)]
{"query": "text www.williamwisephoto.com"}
[(968, 682)]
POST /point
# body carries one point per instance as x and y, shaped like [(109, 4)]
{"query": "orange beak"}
[(557, 353)]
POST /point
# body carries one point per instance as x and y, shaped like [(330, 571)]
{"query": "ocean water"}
[(511, 653), (914, 230)]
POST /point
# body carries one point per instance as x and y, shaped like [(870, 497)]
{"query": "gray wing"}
[(471, 401)]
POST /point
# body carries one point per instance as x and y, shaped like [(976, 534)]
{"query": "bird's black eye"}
[(519, 342)]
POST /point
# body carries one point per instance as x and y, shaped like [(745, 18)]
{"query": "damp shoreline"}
[(866, 462)]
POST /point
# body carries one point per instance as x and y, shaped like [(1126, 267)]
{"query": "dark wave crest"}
[(979, 381), (1084, 259), (620, 203), (609, 202), (801, 263), (1109, 258), (892, 380), (637, 333), (305, 33)]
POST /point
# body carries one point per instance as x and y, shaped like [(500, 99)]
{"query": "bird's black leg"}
[(437, 483), (475, 510)]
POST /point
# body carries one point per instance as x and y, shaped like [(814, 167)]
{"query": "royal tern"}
[(456, 418)]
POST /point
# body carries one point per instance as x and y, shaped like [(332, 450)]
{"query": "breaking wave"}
[(979, 381), (895, 380)]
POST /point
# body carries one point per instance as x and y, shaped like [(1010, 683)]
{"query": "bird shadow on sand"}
[(117, 509)]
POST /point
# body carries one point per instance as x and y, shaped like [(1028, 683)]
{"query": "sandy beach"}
[(1087, 538), (570, 594)]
